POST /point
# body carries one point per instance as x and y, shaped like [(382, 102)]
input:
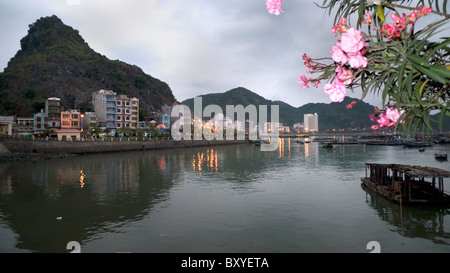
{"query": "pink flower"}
[(316, 83), (413, 17), (351, 104), (357, 60), (368, 17), (393, 114), (341, 27), (338, 54), (343, 75), (303, 81), (386, 118), (425, 11), (336, 91), (352, 41), (274, 6)]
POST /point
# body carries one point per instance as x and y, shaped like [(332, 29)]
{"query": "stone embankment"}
[(15, 149)]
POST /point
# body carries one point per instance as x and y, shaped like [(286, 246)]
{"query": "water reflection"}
[(411, 221), (82, 175), (52, 204), (196, 191), (205, 160)]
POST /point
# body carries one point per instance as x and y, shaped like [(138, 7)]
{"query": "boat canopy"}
[(414, 171)]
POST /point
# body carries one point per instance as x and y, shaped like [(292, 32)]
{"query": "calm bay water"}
[(237, 199)]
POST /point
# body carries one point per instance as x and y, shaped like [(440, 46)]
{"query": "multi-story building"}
[(70, 119), (24, 126), (105, 106), (311, 122), (127, 112), (53, 111), (40, 122), (89, 120)]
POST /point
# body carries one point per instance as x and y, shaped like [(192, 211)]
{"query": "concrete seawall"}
[(8, 146)]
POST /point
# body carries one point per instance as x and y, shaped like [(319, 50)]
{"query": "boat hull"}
[(381, 190)]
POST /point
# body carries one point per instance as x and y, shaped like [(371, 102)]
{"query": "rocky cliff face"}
[(55, 61)]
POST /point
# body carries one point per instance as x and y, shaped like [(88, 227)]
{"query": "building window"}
[(74, 123), (66, 116), (75, 116)]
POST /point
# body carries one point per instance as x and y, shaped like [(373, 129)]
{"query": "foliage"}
[(407, 64)]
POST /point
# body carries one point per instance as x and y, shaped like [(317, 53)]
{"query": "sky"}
[(198, 46)]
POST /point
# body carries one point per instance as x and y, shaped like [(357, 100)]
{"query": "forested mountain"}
[(331, 115), (55, 61)]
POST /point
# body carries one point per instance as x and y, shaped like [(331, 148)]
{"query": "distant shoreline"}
[(26, 150)]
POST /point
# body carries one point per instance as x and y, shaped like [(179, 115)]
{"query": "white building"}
[(311, 122)]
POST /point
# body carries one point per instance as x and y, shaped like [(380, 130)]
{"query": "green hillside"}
[(331, 115)]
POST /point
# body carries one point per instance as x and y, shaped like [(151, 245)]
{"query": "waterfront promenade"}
[(13, 149)]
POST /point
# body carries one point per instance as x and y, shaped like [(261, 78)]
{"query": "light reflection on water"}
[(299, 198)]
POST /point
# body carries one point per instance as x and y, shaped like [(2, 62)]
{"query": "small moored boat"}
[(440, 156), (327, 145), (407, 184)]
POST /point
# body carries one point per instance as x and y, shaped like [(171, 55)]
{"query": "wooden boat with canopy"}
[(407, 184)]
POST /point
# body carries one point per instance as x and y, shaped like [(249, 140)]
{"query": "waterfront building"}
[(40, 122), (127, 112), (68, 134), (298, 127), (311, 122), (6, 125), (104, 103), (70, 119), (53, 111), (24, 126), (88, 120)]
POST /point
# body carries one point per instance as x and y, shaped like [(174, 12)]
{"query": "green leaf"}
[(409, 80), (430, 73), (401, 74), (417, 60), (441, 71), (380, 13)]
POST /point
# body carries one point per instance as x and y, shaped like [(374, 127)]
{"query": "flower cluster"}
[(274, 6), (392, 31), (340, 28), (304, 82), (385, 118), (349, 50)]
